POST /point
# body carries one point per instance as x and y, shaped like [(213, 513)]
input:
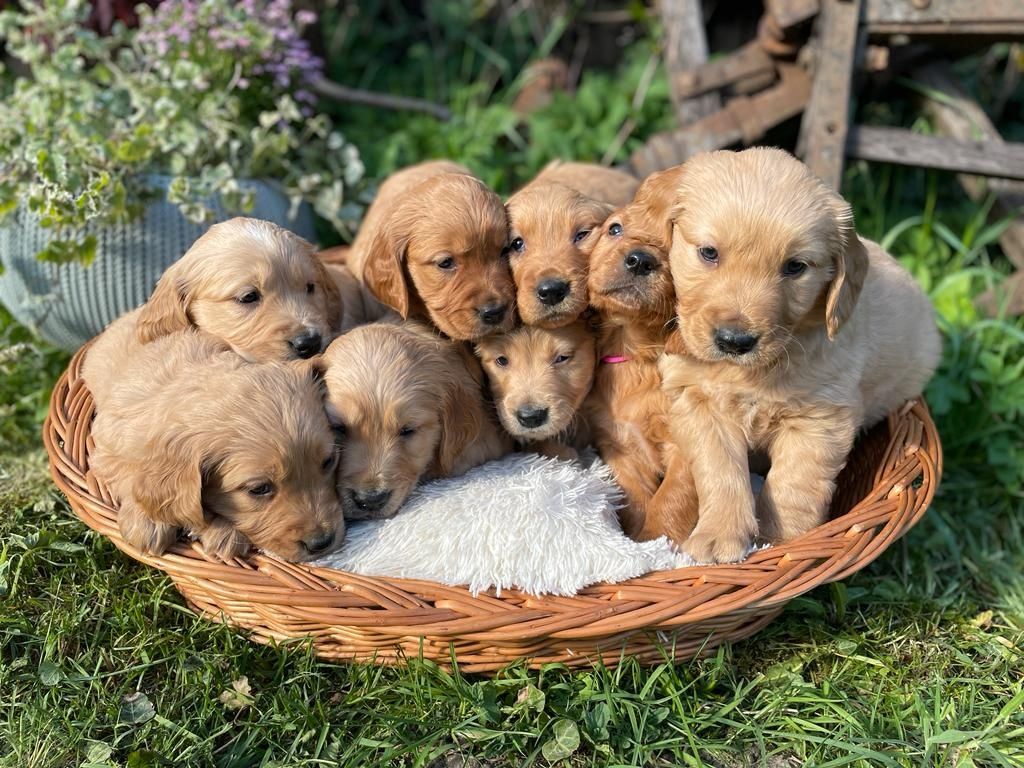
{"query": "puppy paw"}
[(147, 535), (717, 546), (556, 450), (221, 540)]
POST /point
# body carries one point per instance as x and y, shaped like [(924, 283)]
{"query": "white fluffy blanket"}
[(542, 525)]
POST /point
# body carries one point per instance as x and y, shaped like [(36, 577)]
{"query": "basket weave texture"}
[(886, 486)]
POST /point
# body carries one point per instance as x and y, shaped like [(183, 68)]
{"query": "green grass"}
[(914, 661)]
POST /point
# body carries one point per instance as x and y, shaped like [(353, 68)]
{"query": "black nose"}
[(306, 345), (640, 263), (371, 501), (552, 292), (734, 341), (321, 544), (492, 314), (531, 416)]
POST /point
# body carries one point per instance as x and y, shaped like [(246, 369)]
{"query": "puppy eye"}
[(793, 268), (615, 229), (406, 431), (501, 361), (518, 245), (559, 359), (264, 489), (250, 297), (580, 236), (446, 264), (310, 287), (339, 431), (708, 253), (328, 463)]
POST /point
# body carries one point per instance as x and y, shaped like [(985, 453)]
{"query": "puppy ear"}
[(335, 305), (851, 269), (170, 489), (166, 312), (461, 418), (384, 270)]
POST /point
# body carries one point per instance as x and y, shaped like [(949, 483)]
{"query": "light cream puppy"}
[(407, 405), (250, 283), (238, 454), (793, 334)]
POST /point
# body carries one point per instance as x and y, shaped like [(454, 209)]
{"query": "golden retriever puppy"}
[(238, 454), (794, 333), (553, 225), (358, 304), (248, 282), (630, 286), (407, 405), (431, 248), (539, 378)]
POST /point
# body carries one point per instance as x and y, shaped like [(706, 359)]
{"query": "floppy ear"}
[(851, 268), (461, 417), (335, 305), (384, 270), (166, 312), (170, 489)]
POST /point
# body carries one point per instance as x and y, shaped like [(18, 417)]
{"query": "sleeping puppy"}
[(552, 229), (630, 286), (538, 380), (250, 283), (238, 454), (793, 334), (430, 247), (407, 405)]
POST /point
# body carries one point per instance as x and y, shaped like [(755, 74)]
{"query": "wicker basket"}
[(886, 487)]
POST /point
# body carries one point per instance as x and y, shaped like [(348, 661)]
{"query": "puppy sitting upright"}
[(431, 247), (539, 379), (794, 333), (631, 288), (553, 223), (238, 454), (407, 405), (249, 283)]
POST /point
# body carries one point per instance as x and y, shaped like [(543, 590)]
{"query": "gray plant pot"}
[(68, 304)]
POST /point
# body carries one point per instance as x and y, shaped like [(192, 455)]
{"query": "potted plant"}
[(117, 151)]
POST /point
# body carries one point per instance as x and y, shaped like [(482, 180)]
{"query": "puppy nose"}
[(735, 341), (371, 501), (531, 416), (319, 544), (552, 292), (640, 263), (492, 314), (306, 345)]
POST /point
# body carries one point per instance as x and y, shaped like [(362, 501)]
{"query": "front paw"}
[(719, 546), (219, 539), (149, 536)]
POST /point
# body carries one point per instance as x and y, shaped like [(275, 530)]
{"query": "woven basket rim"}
[(676, 613)]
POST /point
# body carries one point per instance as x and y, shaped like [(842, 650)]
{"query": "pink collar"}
[(615, 359)]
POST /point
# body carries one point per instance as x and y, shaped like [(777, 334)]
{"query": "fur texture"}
[(793, 333), (407, 404), (525, 522), (238, 454), (538, 380), (430, 247), (249, 283), (553, 223)]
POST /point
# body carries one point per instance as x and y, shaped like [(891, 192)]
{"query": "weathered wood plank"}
[(903, 147), (824, 127), (746, 62), (956, 115), (686, 48), (792, 13)]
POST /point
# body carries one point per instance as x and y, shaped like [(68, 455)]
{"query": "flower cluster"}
[(208, 92)]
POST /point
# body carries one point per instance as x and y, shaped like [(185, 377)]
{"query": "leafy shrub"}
[(208, 92)]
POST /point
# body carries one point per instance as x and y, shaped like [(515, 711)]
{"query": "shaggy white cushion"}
[(543, 525)]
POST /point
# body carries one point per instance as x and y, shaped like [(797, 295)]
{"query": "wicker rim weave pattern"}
[(886, 486)]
